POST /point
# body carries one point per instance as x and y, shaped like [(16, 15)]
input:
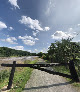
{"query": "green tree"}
[(64, 50)]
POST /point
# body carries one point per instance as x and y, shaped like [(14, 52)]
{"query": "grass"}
[(4, 76), (21, 76), (65, 70), (61, 69)]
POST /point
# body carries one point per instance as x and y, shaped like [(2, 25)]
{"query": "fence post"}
[(73, 71), (11, 75)]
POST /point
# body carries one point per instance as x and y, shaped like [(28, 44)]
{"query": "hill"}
[(7, 52)]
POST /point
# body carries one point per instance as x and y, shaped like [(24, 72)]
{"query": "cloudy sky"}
[(32, 25)]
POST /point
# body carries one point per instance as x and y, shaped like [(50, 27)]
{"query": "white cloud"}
[(33, 24), (78, 24), (14, 3), (61, 34), (44, 50), (29, 50), (36, 50), (28, 40), (11, 40), (11, 28), (46, 28), (35, 33), (70, 30), (18, 47), (2, 25)]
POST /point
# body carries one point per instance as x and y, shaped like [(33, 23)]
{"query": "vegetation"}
[(62, 52), (7, 52), (21, 76), (4, 77)]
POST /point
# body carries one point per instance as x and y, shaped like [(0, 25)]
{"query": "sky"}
[(32, 25)]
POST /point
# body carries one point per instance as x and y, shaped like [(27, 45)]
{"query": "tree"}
[(64, 50), (40, 54)]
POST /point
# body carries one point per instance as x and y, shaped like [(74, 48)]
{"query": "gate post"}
[(11, 75), (73, 71)]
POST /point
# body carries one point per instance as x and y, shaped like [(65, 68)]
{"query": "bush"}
[(4, 74)]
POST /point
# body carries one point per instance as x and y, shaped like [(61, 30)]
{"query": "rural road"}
[(41, 81)]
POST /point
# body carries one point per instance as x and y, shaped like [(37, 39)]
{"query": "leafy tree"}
[(40, 54), (63, 51)]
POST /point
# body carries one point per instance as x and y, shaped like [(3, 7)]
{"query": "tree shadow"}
[(48, 86)]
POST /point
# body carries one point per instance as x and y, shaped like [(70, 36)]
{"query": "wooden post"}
[(73, 71), (11, 75)]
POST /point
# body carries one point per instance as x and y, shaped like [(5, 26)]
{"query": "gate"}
[(73, 74)]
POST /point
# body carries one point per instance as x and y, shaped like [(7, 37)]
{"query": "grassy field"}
[(21, 77)]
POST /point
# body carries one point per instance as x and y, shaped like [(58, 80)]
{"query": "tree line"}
[(59, 51), (7, 52), (62, 51)]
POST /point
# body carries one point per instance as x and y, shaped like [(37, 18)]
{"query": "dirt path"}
[(44, 82)]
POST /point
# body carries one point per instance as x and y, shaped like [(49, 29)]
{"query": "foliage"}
[(7, 52), (4, 77), (40, 54), (63, 51), (45, 56), (4, 74), (21, 77)]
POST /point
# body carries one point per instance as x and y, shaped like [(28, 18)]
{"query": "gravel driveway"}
[(41, 81)]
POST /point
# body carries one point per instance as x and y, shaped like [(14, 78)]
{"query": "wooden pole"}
[(11, 75), (73, 71)]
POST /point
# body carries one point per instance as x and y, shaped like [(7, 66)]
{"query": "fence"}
[(73, 72)]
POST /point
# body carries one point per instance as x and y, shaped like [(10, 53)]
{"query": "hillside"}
[(7, 52)]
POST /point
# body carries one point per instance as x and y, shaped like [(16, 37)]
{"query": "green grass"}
[(21, 77), (65, 70), (61, 69), (4, 76)]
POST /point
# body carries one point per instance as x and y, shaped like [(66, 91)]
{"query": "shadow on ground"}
[(48, 86)]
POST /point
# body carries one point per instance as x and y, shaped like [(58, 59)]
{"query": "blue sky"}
[(32, 25)]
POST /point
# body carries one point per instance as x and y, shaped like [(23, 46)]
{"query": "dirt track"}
[(41, 81)]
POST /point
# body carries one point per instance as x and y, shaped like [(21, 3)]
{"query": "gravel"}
[(41, 81)]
